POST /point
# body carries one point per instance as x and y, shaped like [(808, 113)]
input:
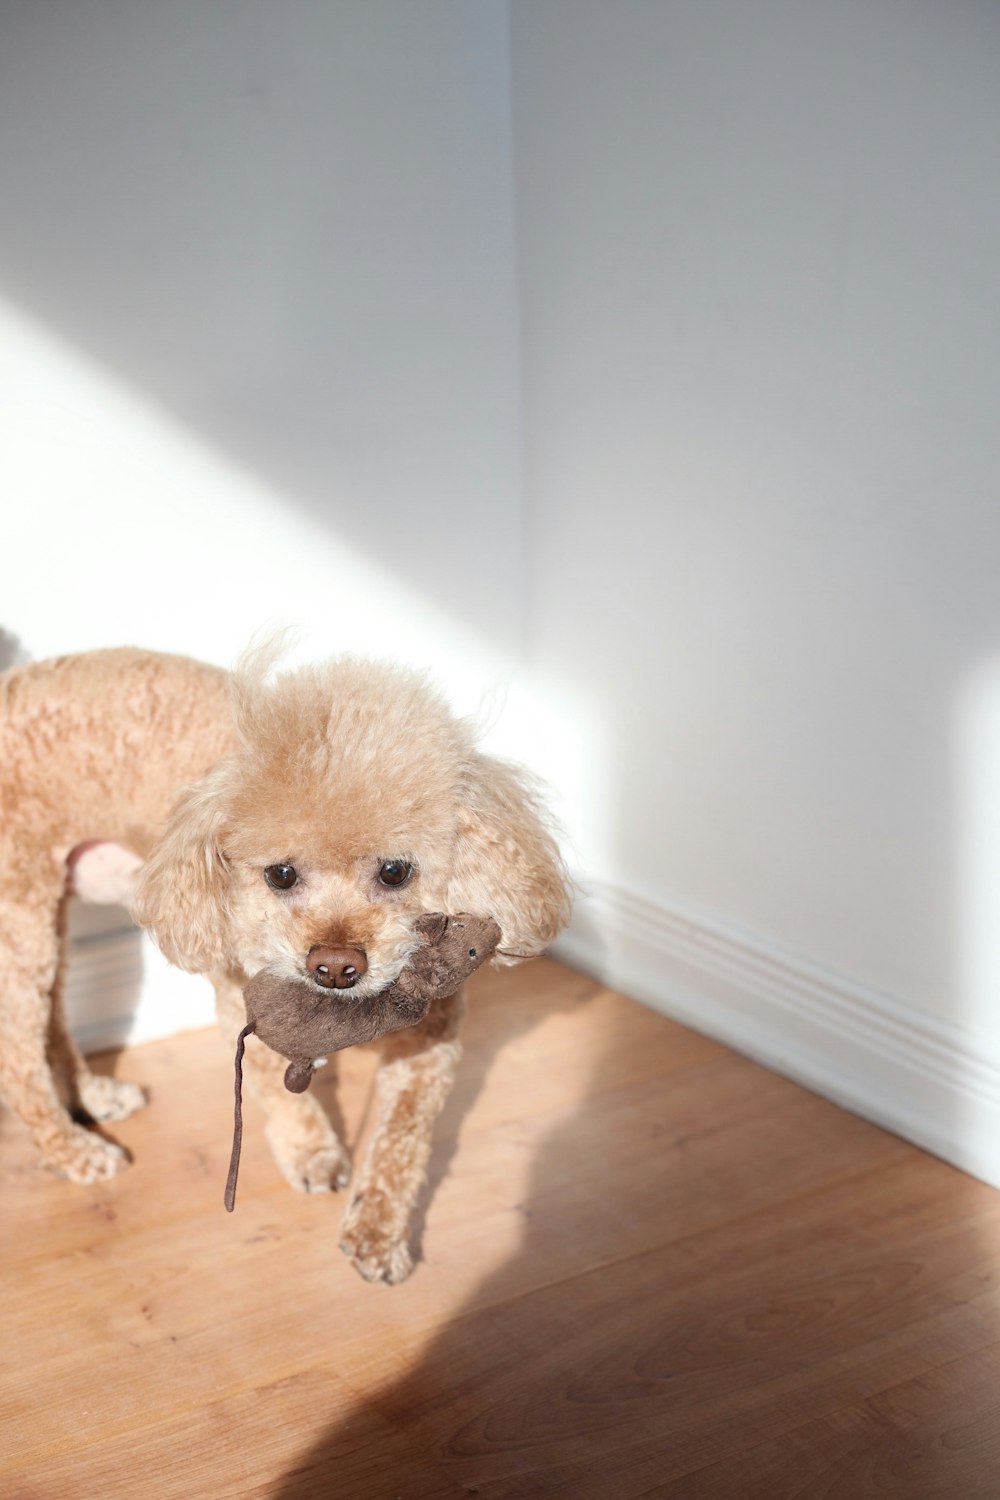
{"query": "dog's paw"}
[(110, 1098), (84, 1157), (310, 1162), (373, 1253)]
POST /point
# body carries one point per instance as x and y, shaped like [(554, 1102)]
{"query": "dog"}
[(261, 817)]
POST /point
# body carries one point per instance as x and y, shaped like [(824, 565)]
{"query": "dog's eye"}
[(395, 872), (281, 877)]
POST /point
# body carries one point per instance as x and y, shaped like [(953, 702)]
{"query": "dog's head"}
[(355, 802)]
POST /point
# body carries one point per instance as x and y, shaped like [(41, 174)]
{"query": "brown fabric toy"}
[(305, 1022)]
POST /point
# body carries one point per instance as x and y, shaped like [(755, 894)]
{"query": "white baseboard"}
[(120, 989), (877, 1056), (885, 1060)]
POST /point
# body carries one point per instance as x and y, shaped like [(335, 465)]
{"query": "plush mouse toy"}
[(305, 1022)]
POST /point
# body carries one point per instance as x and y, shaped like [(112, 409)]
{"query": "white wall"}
[(258, 324), (758, 248), (258, 345), (262, 303), (758, 252)]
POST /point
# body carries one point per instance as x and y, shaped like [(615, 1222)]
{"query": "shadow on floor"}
[(455, 1386)]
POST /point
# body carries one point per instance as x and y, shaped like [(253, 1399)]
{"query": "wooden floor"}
[(649, 1269)]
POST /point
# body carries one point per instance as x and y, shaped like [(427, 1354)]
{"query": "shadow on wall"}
[(12, 653), (291, 229)]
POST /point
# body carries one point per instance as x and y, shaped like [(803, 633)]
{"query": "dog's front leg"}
[(302, 1139), (412, 1084)]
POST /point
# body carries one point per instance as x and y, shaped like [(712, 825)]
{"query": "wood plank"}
[(234, 1447), (936, 1437), (678, 1357), (650, 1268)]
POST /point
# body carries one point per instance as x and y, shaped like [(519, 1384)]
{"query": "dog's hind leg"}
[(30, 957), (95, 1095), (412, 1084), (301, 1136)]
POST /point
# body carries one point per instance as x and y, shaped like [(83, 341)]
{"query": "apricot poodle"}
[(264, 816)]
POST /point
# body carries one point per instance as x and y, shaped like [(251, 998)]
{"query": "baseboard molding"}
[(120, 989), (870, 1052), (895, 1065)]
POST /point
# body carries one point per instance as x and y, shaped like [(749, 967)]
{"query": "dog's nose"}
[(336, 968)]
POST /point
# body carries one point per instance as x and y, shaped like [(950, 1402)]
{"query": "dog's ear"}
[(183, 891), (506, 863)]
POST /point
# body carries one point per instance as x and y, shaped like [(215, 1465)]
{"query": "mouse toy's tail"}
[(234, 1160)]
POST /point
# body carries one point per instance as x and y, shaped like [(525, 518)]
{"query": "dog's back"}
[(96, 746), (94, 750)]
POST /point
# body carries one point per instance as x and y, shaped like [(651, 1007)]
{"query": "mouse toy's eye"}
[(281, 877), (395, 872)]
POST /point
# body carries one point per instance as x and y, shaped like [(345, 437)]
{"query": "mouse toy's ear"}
[(506, 863), (183, 888)]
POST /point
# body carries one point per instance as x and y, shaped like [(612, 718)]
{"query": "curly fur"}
[(209, 779)]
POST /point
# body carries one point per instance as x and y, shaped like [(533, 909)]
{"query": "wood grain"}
[(649, 1269)]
